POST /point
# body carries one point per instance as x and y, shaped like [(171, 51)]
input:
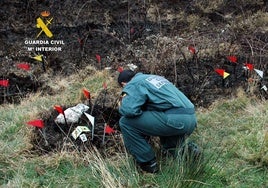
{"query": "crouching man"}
[(153, 106)]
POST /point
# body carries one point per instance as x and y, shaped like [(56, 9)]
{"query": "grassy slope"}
[(233, 134), (236, 132)]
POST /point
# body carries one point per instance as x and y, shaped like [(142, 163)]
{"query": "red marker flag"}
[(59, 109), (98, 57), (36, 123), (192, 49), (132, 30), (108, 129), (232, 59), (104, 85), (24, 66), (86, 93), (120, 69), (249, 66), (4, 83), (81, 41), (222, 73)]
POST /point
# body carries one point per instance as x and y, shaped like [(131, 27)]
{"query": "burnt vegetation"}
[(184, 41)]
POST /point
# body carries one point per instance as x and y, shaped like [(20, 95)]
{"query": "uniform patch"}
[(157, 81)]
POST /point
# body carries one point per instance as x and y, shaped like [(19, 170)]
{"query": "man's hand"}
[(120, 99)]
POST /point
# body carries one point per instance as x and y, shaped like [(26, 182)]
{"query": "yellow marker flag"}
[(38, 58), (225, 75)]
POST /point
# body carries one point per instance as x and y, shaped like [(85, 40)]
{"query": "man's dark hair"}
[(125, 76)]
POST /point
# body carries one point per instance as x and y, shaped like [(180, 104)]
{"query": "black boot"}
[(150, 166), (193, 150)]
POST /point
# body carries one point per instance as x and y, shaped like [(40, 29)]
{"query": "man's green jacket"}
[(146, 92)]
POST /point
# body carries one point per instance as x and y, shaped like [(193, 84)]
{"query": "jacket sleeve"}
[(133, 100)]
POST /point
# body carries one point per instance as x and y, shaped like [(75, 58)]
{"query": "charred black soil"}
[(185, 41)]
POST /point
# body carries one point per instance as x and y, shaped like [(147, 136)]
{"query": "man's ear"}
[(123, 84)]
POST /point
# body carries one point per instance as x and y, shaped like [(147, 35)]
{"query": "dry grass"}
[(233, 132)]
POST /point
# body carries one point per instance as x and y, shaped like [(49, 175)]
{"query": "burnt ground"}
[(153, 35), (56, 137)]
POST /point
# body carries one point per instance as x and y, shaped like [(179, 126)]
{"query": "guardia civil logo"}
[(44, 23), (45, 40)]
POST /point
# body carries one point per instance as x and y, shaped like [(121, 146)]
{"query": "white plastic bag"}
[(72, 114)]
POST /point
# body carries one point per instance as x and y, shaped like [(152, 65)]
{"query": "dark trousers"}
[(171, 127)]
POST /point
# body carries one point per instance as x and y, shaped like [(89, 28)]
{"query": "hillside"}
[(84, 46), (156, 36)]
